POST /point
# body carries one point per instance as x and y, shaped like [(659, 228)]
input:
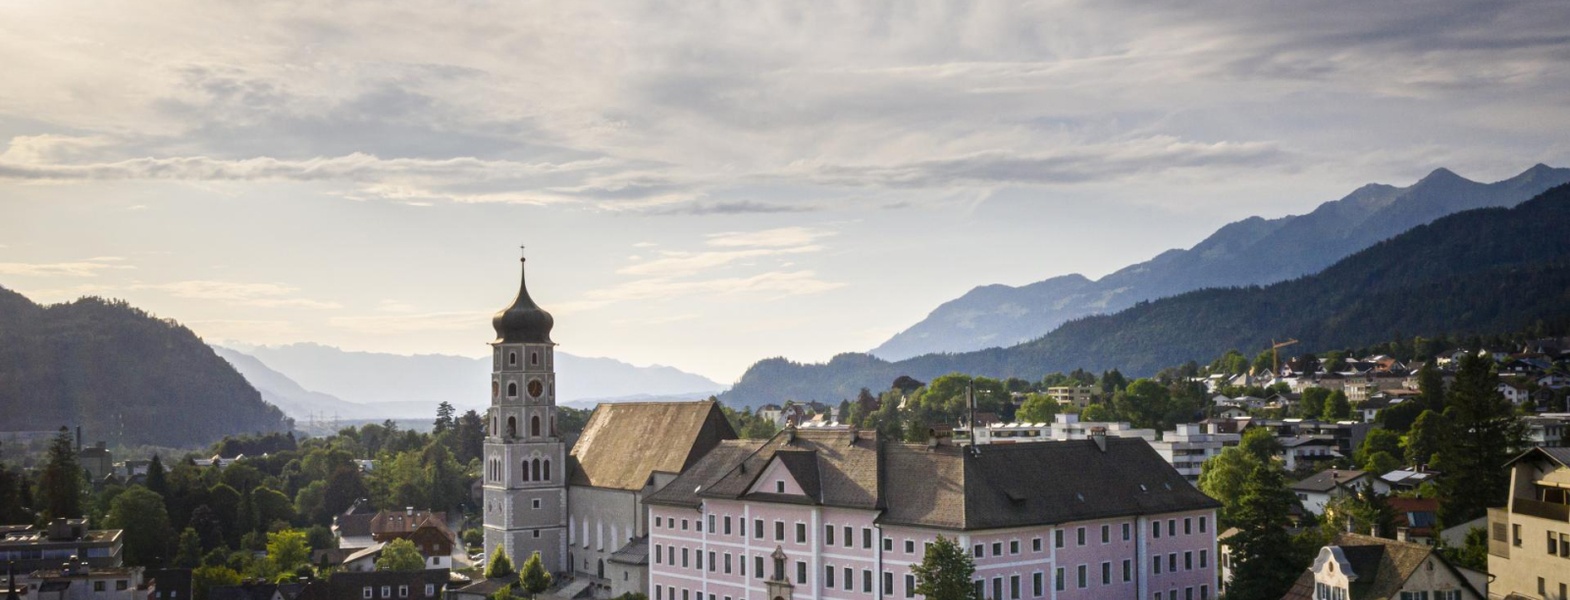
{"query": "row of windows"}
[(403, 591), (1188, 526), (1558, 544), (1172, 562), (758, 530), (1081, 577), (535, 470)]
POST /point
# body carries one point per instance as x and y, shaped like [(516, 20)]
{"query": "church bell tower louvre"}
[(525, 476)]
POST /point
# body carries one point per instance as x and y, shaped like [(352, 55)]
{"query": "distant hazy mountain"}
[(1254, 251), (1479, 272), (1482, 271), (124, 376), (297, 402), (411, 386)]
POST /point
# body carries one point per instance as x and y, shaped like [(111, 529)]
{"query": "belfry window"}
[(512, 427), (547, 475), (512, 358), (512, 390), (527, 474), (534, 358), (534, 425)]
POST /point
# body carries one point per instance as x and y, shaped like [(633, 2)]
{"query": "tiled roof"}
[(355, 525), (636, 552), (1559, 455), (952, 487), (1328, 479), (626, 442)]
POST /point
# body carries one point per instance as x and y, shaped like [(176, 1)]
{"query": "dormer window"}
[(779, 487)]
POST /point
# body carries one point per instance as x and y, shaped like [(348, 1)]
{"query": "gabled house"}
[(1359, 567), (1318, 490), (1416, 519)]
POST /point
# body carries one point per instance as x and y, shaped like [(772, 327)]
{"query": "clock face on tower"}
[(535, 389)]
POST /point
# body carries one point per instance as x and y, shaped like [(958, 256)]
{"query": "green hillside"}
[(121, 374), (1479, 271)]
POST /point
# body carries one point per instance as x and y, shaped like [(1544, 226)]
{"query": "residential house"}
[(1072, 395), (1529, 538), (1359, 567), (1187, 447), (1416, 519), (1318, 490)]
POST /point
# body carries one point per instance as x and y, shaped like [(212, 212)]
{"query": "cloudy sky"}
[(703, 184)]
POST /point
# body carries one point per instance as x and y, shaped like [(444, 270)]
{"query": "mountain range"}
[(1254, 251), (1480, 271), (120, 374), (313, 380)]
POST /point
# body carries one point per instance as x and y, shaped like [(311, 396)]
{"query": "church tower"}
[(525, 477)]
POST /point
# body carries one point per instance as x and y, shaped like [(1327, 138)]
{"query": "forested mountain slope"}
[(121, 374), (1479, 271), (1253, 251)]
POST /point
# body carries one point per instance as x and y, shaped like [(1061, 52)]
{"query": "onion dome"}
[(524, 322)]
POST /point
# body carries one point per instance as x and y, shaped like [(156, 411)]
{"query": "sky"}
[(706, 184)]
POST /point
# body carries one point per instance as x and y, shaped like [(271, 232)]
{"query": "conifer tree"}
[(1265, 562), (1485, 434), (157, 478), (499, 565), (61, 482), (945, 572), (534, 577)]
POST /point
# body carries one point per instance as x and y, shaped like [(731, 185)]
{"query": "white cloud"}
[(768, 238), (264, 295), (91, 267)]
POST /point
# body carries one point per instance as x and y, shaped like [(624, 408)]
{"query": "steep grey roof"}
[(636, 552), (1041, 483), (716, 464), (1328, 479), (949, 487), (1382, 566)]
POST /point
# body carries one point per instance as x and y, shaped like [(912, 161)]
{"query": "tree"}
[(287, 550), (1382, 462), (499, 565), (1486, 434), (1431, 386), (1264, 561), (270, 506), (1429, 433), (145, 521), (1261, 443), (399, 555), (1143, 403), (1096, 413), (1378, 441), (1336, 407), (534, 578), (189, 553), (444, 418), (208, 577), (1312, 404), (157, 479), (945, 572), (61, 482), (1038, 408)]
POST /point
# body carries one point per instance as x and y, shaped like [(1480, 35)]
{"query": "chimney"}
[(409, 510), (1403, 534), (1099, 436)]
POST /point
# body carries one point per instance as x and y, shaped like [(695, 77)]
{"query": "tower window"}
[(536, 468), (512, 358), (512, 390), (534, 358), (534, 425), (528, 474), (512, 427), (547, 476)]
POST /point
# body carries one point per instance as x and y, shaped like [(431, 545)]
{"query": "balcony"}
[(1540, 509)]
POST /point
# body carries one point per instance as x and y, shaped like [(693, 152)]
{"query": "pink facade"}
[(834, 516), (1115, 558)]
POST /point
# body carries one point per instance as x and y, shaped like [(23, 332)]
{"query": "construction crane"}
[(1275, 355)]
